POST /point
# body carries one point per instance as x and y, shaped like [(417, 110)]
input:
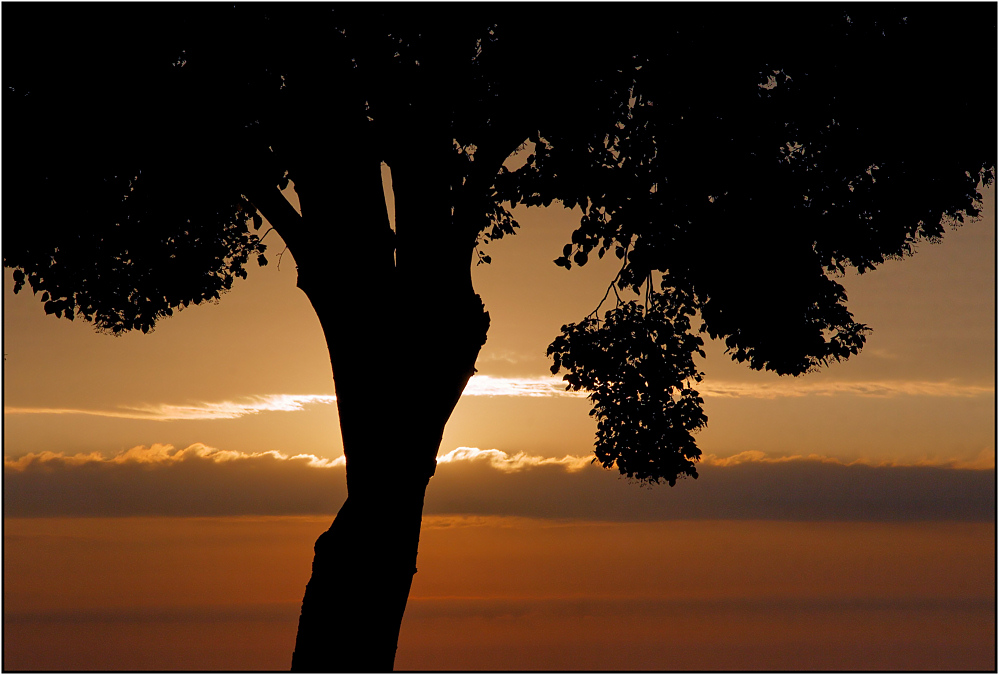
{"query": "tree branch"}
[(279, 212)]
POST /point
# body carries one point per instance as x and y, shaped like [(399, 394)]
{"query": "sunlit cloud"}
[(985, 459), (159, 454), (231, 410), (531, 387), (165, 454), (489, 385), (505, 462), (885, 389), (221, 410)]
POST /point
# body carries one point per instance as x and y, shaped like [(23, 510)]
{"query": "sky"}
[(162, 492)]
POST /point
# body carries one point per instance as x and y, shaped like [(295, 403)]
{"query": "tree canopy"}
[(737, 159)]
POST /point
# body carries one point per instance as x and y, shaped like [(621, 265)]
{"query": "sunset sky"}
[(162, 492)]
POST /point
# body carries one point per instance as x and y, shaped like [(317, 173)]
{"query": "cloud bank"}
[(204, 481), (156, 454)]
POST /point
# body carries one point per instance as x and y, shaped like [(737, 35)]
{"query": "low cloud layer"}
[(204, 481), (156, 454)]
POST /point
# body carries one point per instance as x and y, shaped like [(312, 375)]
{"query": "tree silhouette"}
[(736, 159)]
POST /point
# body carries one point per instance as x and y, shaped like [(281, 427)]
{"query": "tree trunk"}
[(404, 328), (361, 576), (364, 564)]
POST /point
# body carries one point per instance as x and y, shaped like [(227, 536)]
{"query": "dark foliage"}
[(637, 363), (750, 159), (736, 159)]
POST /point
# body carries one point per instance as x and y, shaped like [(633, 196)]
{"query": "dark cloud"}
[(800, 489), (200, 481), (160, 481)]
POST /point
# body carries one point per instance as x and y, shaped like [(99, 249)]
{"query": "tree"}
[(735, 159)]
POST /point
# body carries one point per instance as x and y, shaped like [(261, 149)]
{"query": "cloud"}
[(160, 480), (885, 389), (250, 405), (532, 387), (158, 453), (984, 460), (497, 459), (747, 486), (203, 481), (488, 385)]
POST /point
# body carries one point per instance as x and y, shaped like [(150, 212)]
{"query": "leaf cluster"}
[(122, 201), (637, 365)]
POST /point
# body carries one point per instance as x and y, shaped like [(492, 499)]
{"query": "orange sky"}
[(879, 534)]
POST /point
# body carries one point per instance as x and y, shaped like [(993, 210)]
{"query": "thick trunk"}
[(364, 564), (404, 327), (361, 576), (396, 388)]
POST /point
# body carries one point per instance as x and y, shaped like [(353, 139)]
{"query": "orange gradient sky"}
[(162, 492)]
